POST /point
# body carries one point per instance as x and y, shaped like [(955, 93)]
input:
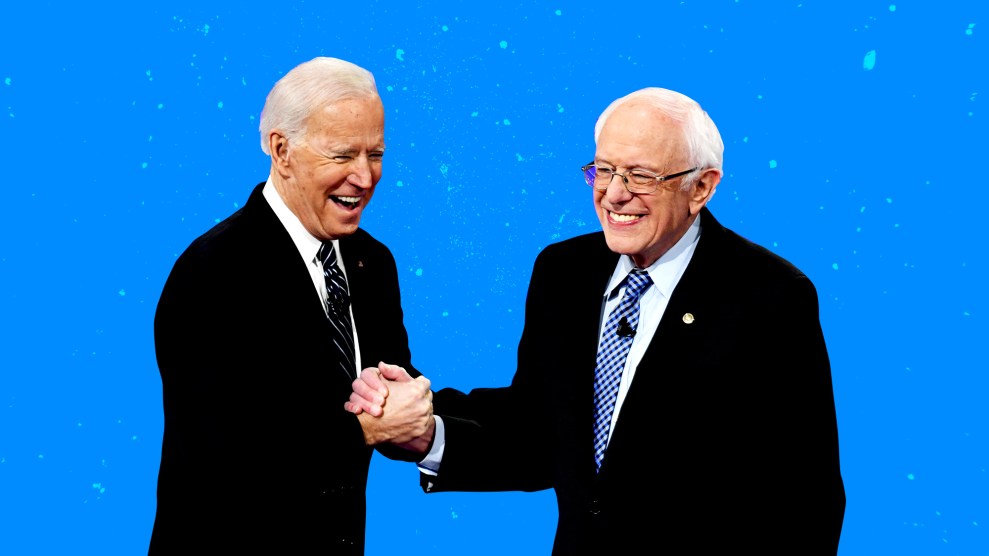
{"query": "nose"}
[(617, 191), (361, 174)]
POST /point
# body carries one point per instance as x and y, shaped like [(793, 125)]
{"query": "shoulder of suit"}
[(747, 256), (245, 228), (589, 249), (592, 242)]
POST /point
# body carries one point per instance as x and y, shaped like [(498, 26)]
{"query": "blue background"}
[(855, 140)]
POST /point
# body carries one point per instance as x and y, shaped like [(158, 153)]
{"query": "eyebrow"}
[(627, 168), (350, 151)]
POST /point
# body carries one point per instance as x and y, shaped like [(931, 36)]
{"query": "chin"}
[(620, 244)]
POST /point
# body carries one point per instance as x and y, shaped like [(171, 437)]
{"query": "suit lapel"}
[(275, 249), (599, 262), (289, 277), (690, 299), (359, 273), (603, 261)]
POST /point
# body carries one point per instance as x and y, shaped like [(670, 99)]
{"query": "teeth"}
[(624, 217), (351, 200)]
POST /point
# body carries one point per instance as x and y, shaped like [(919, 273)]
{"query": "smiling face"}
[(328, 178), (640, 136)]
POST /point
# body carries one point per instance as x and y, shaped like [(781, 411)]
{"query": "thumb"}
[(393, 372)]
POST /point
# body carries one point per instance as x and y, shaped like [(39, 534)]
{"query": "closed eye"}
[(641, 177)]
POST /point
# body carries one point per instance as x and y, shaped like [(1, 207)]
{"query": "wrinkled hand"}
[(393, 407)]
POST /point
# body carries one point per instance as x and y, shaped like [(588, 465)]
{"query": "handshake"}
[(393, 408)]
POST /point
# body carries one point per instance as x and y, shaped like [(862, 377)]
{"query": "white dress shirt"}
[(665, 274), (308, 247)]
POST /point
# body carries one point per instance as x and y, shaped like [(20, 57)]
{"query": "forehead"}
[(640, 132), (348, 119)]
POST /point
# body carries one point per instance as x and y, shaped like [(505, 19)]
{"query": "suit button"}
[(594, 507)]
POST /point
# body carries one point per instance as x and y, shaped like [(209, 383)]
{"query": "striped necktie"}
[(615, 345), (338, 309)]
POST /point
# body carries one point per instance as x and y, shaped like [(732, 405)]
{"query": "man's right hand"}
[(393, 407)]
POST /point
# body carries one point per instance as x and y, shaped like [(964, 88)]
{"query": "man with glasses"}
[(673, 383)]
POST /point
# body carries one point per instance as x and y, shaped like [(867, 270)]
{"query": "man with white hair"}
[(263, 324), (673, 383)]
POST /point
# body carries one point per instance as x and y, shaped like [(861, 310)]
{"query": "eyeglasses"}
[(641, 182)]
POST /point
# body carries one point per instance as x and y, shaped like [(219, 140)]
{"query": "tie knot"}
[(638, 281), (337, 293)]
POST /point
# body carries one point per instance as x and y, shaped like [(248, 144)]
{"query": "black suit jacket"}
[(258, 454), (727, 440)]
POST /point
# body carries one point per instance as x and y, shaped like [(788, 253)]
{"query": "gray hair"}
[(307, 88), (705, 149)]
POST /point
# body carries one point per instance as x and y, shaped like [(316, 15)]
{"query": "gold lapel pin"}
[(688, 318)]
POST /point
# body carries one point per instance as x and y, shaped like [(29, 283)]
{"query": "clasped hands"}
[(393, 407)]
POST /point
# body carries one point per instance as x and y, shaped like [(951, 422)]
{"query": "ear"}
[(279, 149), (704, 189)]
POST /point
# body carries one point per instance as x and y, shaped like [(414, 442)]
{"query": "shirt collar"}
[(306, 243)]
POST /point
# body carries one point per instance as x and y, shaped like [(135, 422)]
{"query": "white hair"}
[(705, 149), (307, 88)]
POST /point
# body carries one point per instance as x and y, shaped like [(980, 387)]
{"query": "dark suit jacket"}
[(727, 440), (258, 454)]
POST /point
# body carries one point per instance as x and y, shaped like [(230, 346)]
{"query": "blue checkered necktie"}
[(615, 344), (338, 309)]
